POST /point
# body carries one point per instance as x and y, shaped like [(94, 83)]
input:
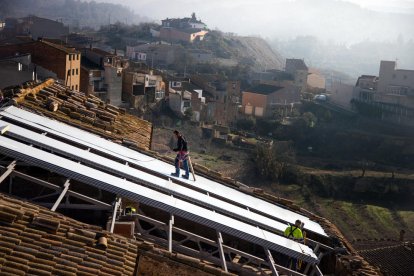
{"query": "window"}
[(77, 56), (72, 87), (159, 95), (77, 71), (76, 87), (73, 71), (69, 72)]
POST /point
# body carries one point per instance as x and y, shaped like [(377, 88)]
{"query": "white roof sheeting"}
[(157, 166), (128, 172), (134, 191)]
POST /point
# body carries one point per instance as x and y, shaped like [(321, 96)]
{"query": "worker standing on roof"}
[(295, 233), (182, 155)]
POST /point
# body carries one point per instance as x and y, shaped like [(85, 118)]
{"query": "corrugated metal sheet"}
[(157, 166), (122, 187)]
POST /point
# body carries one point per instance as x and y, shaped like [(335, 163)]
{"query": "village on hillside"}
[(87, 147)]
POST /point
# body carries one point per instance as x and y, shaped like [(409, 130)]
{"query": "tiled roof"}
[(299, 64), (86, 112), (392, 259), (60, 47), (264, 89), (36, 241), (102, 52)]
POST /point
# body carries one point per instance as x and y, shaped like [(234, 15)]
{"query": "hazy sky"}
[(143, 5), (328, 19)]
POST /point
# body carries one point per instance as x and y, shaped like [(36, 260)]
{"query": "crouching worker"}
[(182, 155), (295, 233)]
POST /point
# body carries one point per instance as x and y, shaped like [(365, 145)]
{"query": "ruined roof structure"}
[(56, 164), (56, 101)]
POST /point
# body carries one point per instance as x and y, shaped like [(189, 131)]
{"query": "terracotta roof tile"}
[(65, 266), (17, 262), (92, 264), (101, 273), (30, 247), (6, 247), (62, 272), (66, 250), (99, 262), (40, 272), (10, 271), (49, 225), (111, 271), (64, 261), (85, 112), (45, 262), (23, 255), (100, 257), (11, 240)]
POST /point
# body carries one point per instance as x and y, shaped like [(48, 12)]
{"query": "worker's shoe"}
[(175, 174), (186, 176)]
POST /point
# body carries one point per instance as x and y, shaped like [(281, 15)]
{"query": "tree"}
[(245, 123), (365, 164), (273, 161), (188, 113)]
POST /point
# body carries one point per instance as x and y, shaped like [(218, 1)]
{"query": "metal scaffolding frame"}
[(223, 255), (63, 192)]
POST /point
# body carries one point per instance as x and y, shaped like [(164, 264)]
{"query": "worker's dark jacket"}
[(181, 144)]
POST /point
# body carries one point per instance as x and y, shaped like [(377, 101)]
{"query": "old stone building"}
[(101, 74), (61, 60)]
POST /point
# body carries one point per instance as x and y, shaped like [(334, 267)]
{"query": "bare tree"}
[(273, 161)]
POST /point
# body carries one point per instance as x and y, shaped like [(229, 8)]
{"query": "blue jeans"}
[(185, 165)]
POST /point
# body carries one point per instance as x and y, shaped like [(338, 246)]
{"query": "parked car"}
[(320, 97)]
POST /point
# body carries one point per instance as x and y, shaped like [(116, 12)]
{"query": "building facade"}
[(395, 86), (61, 60), (186, 29), (223, 98), (365, 88), (18, 69), (298, 69), (265, 100), (141, 89), (103, 74), (388, 97), (155, 55)]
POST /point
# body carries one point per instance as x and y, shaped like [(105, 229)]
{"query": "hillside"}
[(253, 53), (82, 14), (260, 51)]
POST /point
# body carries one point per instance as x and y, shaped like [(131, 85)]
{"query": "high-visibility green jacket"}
[(293, 232)]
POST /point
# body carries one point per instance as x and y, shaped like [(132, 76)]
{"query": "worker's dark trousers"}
[(185, 166)]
